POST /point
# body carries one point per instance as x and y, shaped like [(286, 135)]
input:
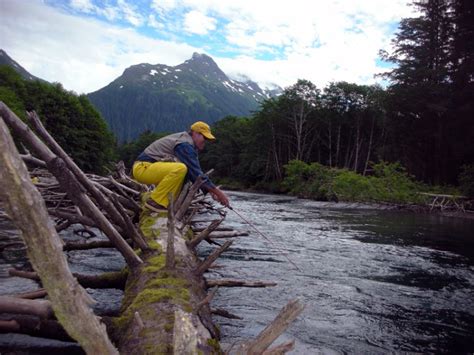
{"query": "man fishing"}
[(167, 161)]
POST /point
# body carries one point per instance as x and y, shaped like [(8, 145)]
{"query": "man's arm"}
[(187, 155)]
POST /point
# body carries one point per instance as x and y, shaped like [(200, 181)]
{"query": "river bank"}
[(278, 189)]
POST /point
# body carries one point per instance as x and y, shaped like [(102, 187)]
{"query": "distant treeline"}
[(423, 119)]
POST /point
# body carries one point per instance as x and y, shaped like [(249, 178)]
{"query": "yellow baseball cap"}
[(203, 128)]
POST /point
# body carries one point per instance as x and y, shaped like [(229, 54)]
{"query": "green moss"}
[(167, 282), (155, 263), (216, 347), (154, 245), (189, 235)]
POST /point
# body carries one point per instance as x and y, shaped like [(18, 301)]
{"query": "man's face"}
[(199, 140)]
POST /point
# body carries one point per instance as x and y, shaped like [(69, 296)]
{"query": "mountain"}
[(162, 98), (5, 59)]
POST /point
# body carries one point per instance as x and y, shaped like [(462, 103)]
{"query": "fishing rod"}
[(264, 236)]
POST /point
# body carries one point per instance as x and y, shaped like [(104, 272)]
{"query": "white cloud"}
[(198, 23), (130, 13), (83, 54), (317, 40), (163, 6), (83, 5)]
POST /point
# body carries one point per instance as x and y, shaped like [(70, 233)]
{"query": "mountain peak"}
[(200, 56), (204, 65)]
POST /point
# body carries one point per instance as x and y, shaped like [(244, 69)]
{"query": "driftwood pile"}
[(166, 307)]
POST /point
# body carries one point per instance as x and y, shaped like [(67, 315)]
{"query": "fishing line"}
[(265, 237)]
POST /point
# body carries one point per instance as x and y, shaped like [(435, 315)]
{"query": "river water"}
[(372, 281)]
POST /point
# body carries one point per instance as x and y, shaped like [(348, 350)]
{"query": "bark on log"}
[(224, 235), (206, 264), (87, 246), (40, 293), (105, 280), (204, 234), (223, 313), (40, 308), (286, 316), (280, 349), (27, 209), (189, 197), (166, 300)]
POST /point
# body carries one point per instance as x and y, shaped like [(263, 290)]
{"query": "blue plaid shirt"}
[(188, 155)]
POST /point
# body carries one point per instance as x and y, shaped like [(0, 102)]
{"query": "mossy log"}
[(162, 310)]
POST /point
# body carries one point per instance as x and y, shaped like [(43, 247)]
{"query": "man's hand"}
[(219, 196)]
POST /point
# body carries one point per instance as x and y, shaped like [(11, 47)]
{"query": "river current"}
[(373, 281)]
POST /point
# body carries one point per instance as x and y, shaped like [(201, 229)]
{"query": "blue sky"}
[(85, 44)]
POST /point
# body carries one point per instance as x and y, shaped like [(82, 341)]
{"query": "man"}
[(166, 162)]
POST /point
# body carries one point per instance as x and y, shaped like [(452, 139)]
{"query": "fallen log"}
[(106, 280), (89, 245), (223, 313), (40, 308), (164, 299), (206, 264), (40, 293), (204, 234), (238, 283), (27, 209), (57, 166), (271, 332), (232, 234), (34, 326)]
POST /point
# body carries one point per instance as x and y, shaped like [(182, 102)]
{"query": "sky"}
[(86, 44)]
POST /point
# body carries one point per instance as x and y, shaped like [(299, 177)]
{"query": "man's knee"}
[(181, 169)]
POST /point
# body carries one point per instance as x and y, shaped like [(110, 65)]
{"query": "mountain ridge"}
[(5, 59), (158, 97)]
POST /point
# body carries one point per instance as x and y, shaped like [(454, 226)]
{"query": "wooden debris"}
[(40, 308), (238, 283), (40, 293), (213, 257), (223, 313), (204, 234), (286, 316), (230, 234)]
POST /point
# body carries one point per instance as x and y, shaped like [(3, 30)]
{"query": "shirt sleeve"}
[(187, 155)]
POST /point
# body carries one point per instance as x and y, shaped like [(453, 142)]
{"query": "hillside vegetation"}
[(70, 119)]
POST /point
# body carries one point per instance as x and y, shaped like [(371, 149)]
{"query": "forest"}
[(421, 120)]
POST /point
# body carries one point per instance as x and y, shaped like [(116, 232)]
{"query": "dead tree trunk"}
[(27, 209), (70, 184)]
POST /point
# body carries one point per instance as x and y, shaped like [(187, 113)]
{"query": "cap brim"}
[(208, 135)]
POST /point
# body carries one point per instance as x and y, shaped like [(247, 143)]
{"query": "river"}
[(372, 281)]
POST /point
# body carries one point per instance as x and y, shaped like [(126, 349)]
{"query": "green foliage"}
[(390, 183), (308, 180), (466, 180), (70, 119)]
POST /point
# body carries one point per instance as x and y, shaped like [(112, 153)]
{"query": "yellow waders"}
[(166, 176)]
